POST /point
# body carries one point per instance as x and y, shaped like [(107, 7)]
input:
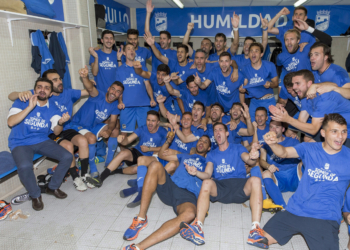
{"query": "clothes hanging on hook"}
[(45, 57), (57, 54)]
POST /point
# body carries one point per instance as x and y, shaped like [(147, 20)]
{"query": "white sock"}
[(254, 224), (137, 247), (141, 218), (200, 224)]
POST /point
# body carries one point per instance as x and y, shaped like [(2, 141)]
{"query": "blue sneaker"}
[(132, 183), (133, 231), (131, 247), (256, 238), (192, 232)]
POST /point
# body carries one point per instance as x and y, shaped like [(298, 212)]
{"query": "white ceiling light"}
[(179, 4), (300, 2)]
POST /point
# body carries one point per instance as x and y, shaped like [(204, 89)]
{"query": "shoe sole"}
[(136, 234), (257, 244), (189, 235), (134, 204), (78, 189), (13, 202), (5, 216)]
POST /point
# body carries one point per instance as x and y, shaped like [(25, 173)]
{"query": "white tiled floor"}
[(98, 218)]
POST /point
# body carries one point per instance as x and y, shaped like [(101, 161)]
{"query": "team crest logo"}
[(161, 21), (326, 166), (223, 160), (124, 126), (38, 114), (322, 20), (151, 139), (105, 110)]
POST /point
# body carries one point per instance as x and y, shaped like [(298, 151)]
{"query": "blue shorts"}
[(255, 103), (230, 191), (287, 180), (129, 117), (95, 130), (172, 195)]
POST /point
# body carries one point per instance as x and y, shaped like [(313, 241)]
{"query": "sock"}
[(138, 197), (74, 172), (92, 153), (118, 171), (132, 183), (112, 146), (84, 166), (129, 191), (105, 174), (274, 192), (255, 171), (141, 174), (141, 218), (200, 224), (254, 224)]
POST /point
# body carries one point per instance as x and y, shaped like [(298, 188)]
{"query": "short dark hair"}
[(132, 32), (118, 84), (249, 38), (105, 32), (334, 117), (220, 123), (189, 79), (257, 45), (153, 112), (206, 38), (127, 45), (200, 50), (237, 104), (167, 33), (186, 113), (300, 8), (42, 79), (208, 139), (306, 74), (221, 35), (225, 53), (261, 108), (164, 68), (200, 104), (49, 71), (326, 50), (182, 46), (218, 105), (287, 81)]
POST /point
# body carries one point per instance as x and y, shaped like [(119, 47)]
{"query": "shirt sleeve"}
[(341, 78), (148, 53), (209, 158), (138, 131), (172, 65), (123, 59), (211, 76), (272, 70), (115, 110), (75, 94), (301, 149), (324, 106), (92, 59), (17, 107), (283, 93), (54, 121)]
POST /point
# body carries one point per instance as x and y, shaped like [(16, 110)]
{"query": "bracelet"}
[(235, 29), (119, 60), (265, 29), (149, 148), (58, 123)]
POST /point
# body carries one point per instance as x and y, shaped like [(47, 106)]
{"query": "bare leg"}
[(270, 239), (124, 155), (253, 188), (81, 142), (142, 160), (208, 189), (171, 166)]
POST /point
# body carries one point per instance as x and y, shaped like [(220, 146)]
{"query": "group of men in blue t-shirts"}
[(200, 128)]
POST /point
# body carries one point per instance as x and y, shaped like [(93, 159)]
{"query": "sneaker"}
[(133, 231), (192, 232), (5, 209), (256, 238), (131, 247), (19, 199), (79, 184), (94, 181), (269, 206), (85, 181)]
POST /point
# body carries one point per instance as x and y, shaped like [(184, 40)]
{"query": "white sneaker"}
[(79, 184), (87, 183)]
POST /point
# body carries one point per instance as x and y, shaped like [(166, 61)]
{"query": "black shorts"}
[(319, 234), (135, 154), (172, 195), (230, 191), (64, 135)]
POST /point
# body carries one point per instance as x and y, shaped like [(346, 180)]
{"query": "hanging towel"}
[(57, 54), (66, 79), (38, 40)]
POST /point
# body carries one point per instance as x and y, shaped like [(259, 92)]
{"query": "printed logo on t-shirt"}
[(101, 115), (62, 108), (191, 104), (293, 64), (157, 93), (275, 158), (255, 80), (323, 174), (223, 89), (36, 122), (150, 143), (181, 74), (139, 58), (172, 107), (297, 102), (131, 80), (224, 168), (180, 144), (107, 64), (194, 163)]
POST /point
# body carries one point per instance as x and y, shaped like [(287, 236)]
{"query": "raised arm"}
[(140, 71), (150, 40), (13, 120), (94, 65), (126, 140), (169, 88), (274, 30), (264, 24), (208, 172), (23, 96), (186, 39), (161, 153), (198, 81), (321, 36), (150, 93), (89, 86), (149, 8), (283, 152), (235, 42), (249, 131)]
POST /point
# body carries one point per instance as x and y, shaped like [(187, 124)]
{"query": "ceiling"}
[(226, 3)]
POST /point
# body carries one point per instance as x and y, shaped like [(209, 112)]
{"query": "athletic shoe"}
[(85, 181), (5, 209), (94, 181), (79, 184), (132, 183), (19, 199), (192, 232), (133, 231), (131, 247), (256, 238), (269, 206)]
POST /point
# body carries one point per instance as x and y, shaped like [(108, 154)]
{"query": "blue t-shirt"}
[(215, 57), (107, 68), (306, 37), (241, 61), (228, 163), (282, 163), (135, 93), (285, 95), (226, 91), (94, 111), (327, 103), (161, 90), (296, 61), (142, 54), (334, 73), (168, 53), (233, 137), (258, 78), (210, 133), (188, 99), (261, 133), (148, 139), (184, 148), (183, 179), (35, 127), (225, 119), (321, 190), (176, 67), (198, 132)]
